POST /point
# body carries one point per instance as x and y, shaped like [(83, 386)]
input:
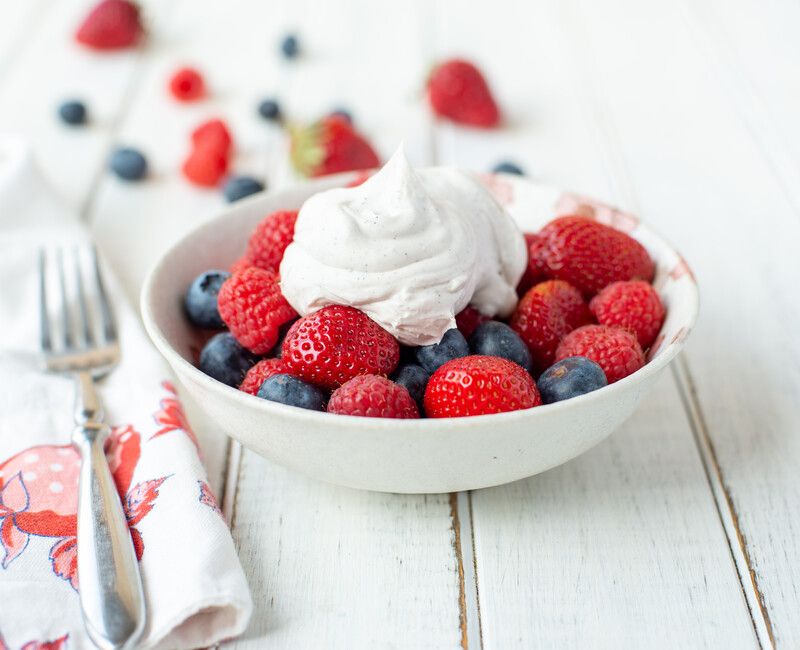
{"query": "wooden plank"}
[(17, 27), (704, 176)]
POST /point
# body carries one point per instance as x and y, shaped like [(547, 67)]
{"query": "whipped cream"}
[(410, 248)]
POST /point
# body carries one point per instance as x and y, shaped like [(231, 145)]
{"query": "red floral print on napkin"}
[(172, 417), (207, 498), (569, 203), (56, 644)]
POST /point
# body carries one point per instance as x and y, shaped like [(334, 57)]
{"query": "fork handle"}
[(111, 595)]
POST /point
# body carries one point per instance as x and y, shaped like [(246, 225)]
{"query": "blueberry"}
[(200, 301), (496, 339), (269, 109), (343, 113), (452, 346), (507, 167), (128, 164), (413, 378), (292, 391), (238, 187), (290, 47), (224, 359), (72, 112), (570, 377)]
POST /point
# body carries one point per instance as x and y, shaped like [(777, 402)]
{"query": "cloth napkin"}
[(194, 585)]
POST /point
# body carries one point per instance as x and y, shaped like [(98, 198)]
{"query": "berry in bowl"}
[(422, 330)]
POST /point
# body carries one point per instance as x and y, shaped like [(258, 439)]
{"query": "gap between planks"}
[(464, 548)]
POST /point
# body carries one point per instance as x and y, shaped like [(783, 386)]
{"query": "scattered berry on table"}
[(206, 165), (238, 187), (342, 113), (200, 302), (591, 255), (129, 164), (111, 25), (337, 343), (495, 339), (479, 385), (329, 146), (252, 306), (270, 238), (72, 112), (458, 91), (547, 313), (290, 390), (413, 378), (260, 372), (452, 346), (290, 46), (536, 271), (187, 85), (373, 396), (634, 306), (269, 109), (507, 167), (468, 319), (570, 377), (226, 360), (213, 133), (615, 350)]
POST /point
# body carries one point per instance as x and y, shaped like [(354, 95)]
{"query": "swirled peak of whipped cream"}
[(410, 248)]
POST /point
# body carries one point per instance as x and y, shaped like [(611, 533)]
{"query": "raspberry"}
[(264, 369), (206, 165), (546, 313), (615, 350), (633, 306), (187, 85), (468, 319), (270, 238), (338, 343), (479, 385), (252, 306), (536, 271), (372, 396), (240, 265), (591, 255)]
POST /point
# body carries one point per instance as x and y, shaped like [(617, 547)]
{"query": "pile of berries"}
[(586, 315)]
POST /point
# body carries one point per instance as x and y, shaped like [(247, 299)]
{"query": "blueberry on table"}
[(290, 46), (238, 187), (343, 113), (495, 339), (414, 379), (507, 167), (570, 377), (200, 301), (452, 346), (72, 112), (292, 391), (269, 109), (129, 164), (226, 360)]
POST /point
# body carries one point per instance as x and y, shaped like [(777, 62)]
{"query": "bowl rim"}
[(432, 425)]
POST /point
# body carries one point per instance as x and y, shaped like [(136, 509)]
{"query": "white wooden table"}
[(680, 531)]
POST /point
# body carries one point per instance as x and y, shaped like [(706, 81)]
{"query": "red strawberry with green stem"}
[(329, 146)]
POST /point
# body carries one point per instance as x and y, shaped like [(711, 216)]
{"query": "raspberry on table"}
[(634, 306), (479, 385), (252, 306), (337, 343), (259, 373), (373, 396), (270, 238), (187, 85), (615, 350)]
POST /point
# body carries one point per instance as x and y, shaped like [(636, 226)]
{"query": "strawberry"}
[(187, 85), (270, 238), (468, 319), (373, 396), (458, 91), (264, 369), (338, 343), (591, 255), (546, 313), (252, 306), (111, 25), (215, 133), (633, 306), (615, 350), (536, 271), (329, 146), (478, 385), (206, 165)]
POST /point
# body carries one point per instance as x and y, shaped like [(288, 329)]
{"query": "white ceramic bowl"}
[(436, 455)]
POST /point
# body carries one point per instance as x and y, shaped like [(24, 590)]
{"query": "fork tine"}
[(68, 333), (86, 330), (109, 327), (44, 322)]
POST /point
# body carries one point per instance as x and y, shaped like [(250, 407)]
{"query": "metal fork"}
[(112, 600)]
